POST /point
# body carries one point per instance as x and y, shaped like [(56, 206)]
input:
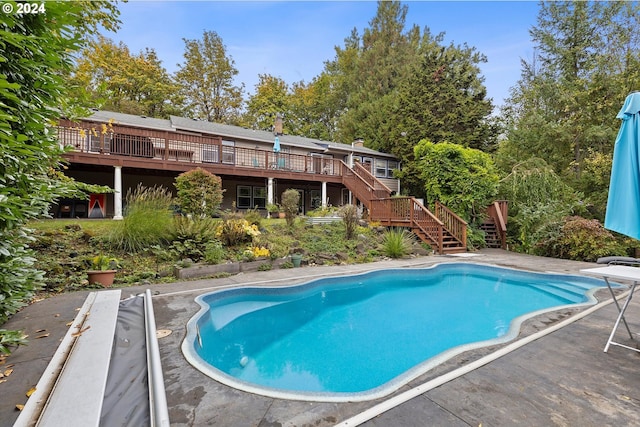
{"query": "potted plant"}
[(102, 270), (272, 209)]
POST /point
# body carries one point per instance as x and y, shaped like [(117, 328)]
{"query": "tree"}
[(199, 193), (271, 98), (537, 197), (463, 179), (206, 80), (35, 53), (368, 72), (444, 99), (585, 63), (114, 79), (290, 201)]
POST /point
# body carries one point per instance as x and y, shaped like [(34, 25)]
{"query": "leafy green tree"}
[(463, 179), (585, 63), (114, 79), (537, 197), (199, 193), (35, 53), (271, 98), (206, 80)]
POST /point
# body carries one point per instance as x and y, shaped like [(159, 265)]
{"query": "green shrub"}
[(290, 200), (214, 252), (397, 243), (148, 220), (199, 193), (579, 239), (190, 237)]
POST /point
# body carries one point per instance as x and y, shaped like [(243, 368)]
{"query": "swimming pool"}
[(363, 336)]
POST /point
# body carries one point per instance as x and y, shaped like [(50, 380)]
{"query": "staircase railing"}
[(498, 212), (408, 212), (364, 186), (456, 226), (404, 211)]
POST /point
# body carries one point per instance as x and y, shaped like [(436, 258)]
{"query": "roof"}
[(175, 123)]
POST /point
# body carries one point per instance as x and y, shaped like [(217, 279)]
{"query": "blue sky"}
[(293, 39)]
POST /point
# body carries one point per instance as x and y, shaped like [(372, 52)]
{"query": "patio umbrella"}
[(276, 145), (623, 205)]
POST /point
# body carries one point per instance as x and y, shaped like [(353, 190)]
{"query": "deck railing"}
[(103, 139)]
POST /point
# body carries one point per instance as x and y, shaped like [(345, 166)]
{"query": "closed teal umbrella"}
[(623, 205), (276, 145)]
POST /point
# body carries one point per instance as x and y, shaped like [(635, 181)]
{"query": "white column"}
[(117, 195), (324, 194), (270, 200)]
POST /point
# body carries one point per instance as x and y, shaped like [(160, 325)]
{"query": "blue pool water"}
[(363, 335)]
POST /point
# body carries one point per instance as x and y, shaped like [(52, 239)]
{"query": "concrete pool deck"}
[(561, 378)]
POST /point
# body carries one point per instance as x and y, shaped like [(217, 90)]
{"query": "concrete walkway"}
[(563, 378)]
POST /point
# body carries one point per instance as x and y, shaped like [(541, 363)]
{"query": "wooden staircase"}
[(495, 226), (443, 230), (491, 238)]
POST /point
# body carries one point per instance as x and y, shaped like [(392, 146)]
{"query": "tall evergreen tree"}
[(563, 107), (206, 80), (371, 68)]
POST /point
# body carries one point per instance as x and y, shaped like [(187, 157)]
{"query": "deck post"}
[(324, 194), (270, 191), (117, 195)]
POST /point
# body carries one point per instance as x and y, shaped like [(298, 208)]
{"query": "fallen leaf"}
[(3, 381), (40, 330), (625, 397), (70, 323), (77, 334), (19, 407), (8, 372), (56, 315), (43, 335), (31, 391)]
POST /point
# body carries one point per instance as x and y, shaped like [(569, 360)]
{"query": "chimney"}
[(277, 128), (359, 142)]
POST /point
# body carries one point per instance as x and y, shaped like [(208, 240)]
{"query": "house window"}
[(251, 197), (243, 197), (391, 165), (210, 154), (381, 168), (228, 152), (259, 197)]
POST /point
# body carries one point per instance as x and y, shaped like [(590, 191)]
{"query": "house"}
[(255, 166), (123, 150)]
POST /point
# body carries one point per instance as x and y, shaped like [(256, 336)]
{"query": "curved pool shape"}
[(360, 337)]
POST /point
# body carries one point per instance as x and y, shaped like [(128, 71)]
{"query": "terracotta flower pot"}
[(102, 277)]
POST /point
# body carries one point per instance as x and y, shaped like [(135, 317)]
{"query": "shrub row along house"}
[(123, 151)]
